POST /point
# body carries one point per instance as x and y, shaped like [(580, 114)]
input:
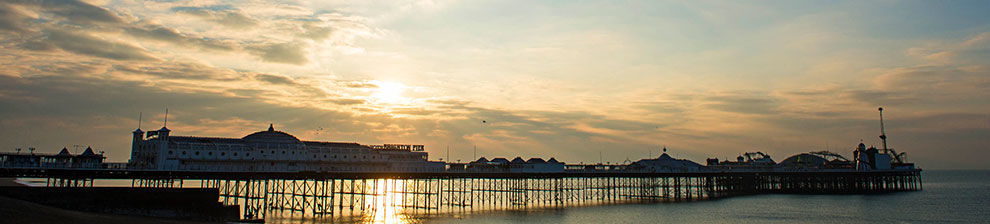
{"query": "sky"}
[(581, 81)]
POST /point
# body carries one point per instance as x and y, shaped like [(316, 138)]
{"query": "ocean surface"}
[(948, 197)]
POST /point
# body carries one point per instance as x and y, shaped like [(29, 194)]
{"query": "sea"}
[(949, 196)]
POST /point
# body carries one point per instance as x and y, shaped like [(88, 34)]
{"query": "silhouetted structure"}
[(87, 160)]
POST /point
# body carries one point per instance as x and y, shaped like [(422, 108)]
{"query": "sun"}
[(389, 93)]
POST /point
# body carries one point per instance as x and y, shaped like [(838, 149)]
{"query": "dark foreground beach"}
[(18, 211)]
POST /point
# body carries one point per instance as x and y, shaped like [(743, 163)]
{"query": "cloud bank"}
[(79, 73)]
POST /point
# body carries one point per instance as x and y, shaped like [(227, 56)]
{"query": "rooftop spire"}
[(166, 118), (271, 127), (883, 135)]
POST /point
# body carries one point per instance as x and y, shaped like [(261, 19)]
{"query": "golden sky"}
[(565, 79)]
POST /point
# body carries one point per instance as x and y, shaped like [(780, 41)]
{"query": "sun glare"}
[(389, 93)]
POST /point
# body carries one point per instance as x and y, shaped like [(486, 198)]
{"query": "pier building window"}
[(223, 154), (235, 154), (183, 152), (210, 153), (197, 153), (170, 152)]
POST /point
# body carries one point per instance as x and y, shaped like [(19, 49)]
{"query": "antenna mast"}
[(140, 114), (883, 135), (166, 118)]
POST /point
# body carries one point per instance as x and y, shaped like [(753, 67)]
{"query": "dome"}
[(271, 136), (664, 163), (803, 160), (665, 157)]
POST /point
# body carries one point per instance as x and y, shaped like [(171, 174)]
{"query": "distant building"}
[(271, 151), (803, 161), (870, 158), (517, 165), (87, 160), (749, 161), (664, 163)]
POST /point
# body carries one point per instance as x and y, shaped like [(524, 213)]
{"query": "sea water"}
[(948, 197)]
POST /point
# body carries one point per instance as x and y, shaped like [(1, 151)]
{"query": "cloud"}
[(176, 70), (226, 71), (288, 53), (223, 15), (276, 41), (165, 34), (81, 43), (77, 12), (361, 85), (275, 79), (37, 45), (742, 103), (347, 101), (12, 19)]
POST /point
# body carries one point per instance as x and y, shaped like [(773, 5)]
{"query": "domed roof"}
[(665, 157), (803, 160), (272, 136)]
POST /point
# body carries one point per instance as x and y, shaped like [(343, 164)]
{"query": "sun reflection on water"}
[(386, 204)]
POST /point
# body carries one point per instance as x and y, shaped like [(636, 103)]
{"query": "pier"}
[(273, 173), (317, 194)]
